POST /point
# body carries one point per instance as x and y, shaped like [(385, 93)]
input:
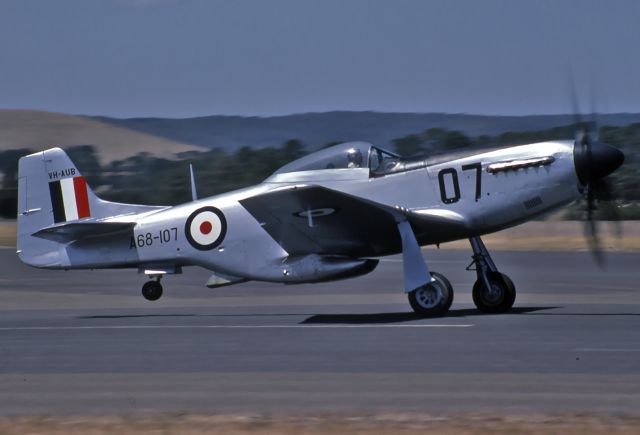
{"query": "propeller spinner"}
[(594, 160)]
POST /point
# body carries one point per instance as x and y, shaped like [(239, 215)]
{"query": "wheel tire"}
[(152, 290), (433, 299), (512, 292), (498, 301)]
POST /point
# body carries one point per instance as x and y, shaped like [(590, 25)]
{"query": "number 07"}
[(446, 198)]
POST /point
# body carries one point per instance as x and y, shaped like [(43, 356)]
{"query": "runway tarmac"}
[(86, 342)]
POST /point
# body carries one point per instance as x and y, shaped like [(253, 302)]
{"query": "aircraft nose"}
[(600, 162)]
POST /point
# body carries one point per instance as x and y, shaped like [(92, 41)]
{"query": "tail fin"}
[(51, 190)]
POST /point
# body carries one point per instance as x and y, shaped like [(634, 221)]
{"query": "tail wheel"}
[(152, 290), (433, 299), (498, 298)]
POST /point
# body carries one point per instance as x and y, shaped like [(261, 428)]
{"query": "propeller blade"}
[(605, 194), (594, 245), (591, 172), (591, 228), (575, 106), (594, 113)]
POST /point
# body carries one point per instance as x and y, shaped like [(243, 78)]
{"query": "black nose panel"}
[(603, 161)]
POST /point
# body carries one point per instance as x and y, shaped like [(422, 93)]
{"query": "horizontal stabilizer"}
[(69, 232)]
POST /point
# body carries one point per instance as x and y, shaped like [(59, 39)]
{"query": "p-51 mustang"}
[(327, 216)]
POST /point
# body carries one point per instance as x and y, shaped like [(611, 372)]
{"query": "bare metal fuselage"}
[(503, 199)]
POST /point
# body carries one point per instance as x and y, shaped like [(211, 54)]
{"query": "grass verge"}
[(324, 424), (532, 236)]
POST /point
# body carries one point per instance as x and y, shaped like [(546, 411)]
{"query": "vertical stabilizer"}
[(52, 191)]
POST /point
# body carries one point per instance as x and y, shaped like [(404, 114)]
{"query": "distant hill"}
[(107, 150), (116, 139), (316, 129), (36, 130)]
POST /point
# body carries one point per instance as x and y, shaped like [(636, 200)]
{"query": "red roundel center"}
[(206, 227)]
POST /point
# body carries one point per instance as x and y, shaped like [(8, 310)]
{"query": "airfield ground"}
[(387, 424), (82, 352)]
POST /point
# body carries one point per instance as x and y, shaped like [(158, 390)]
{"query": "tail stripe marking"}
[(82, 199), (57, 202), (69, 199)]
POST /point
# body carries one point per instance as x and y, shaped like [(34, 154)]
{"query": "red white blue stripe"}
[(69, 199)]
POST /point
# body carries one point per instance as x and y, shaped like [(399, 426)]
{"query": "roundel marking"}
[(205, 228), (317, 212)]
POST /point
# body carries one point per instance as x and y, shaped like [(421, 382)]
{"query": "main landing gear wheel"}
[(152, 290), (498, 298), (433, 299)]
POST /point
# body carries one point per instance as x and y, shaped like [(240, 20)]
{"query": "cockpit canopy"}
[(347, 159)]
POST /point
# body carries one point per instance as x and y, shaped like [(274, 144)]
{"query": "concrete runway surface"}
[(86, 342)]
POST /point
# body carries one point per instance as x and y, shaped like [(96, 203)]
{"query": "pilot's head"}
[(354, 158)]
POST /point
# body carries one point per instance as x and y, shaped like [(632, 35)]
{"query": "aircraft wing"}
[(314, 219)]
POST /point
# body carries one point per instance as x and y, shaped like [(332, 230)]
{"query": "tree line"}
[(147, 179)]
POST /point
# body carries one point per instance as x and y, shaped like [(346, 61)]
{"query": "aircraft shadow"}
[(588, 314), (134, 316), (338, 318), (364, 319), (406, 316)]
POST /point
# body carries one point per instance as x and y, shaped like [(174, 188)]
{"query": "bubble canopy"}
[(350, 155)]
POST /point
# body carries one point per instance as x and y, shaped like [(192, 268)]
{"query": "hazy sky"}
[(264, 57)]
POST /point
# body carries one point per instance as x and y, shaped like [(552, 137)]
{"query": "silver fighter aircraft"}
[(327, 216)]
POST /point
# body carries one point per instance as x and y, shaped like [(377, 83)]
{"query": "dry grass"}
[(559, 236), (535, 236), (7, 233), (38, 130), (385, 424)]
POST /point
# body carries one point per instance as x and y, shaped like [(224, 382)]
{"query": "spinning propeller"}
[(594, 161)]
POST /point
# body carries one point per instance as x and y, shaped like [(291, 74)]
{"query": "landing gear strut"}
[(152, 290), (493, 292)]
